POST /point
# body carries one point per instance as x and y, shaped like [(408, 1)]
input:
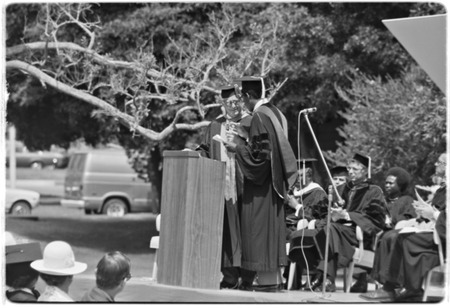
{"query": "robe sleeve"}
[(315, 205), (404, 211), (254, 158), (205, 146), (371, 216), (441, 226)]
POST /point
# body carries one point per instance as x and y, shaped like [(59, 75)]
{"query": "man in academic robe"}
[(412, 255), (269, 167), (339, 175), (400, 208), (227, 127), (365, 207), (399, 201), (307, 203), (308, 200)]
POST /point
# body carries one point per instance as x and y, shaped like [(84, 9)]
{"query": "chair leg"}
[(426, 284), (155, 267), (292, 269)]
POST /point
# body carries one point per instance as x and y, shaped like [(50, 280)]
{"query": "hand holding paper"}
[(218, 138), (423, 208), (231, 146)]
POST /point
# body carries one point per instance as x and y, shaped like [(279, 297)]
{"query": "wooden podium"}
[(192, 213)]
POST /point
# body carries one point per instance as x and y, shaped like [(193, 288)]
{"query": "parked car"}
[(38, 159), (20, 201), (102, 181)]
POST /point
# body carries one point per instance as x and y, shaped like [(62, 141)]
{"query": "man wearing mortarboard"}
[(365, 207), (307, 204), (227, 126), (339, 175), (308, 200), (269, 167)]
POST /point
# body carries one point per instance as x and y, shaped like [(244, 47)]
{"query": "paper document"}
[(419, 197), (218, 138), (413, 230)]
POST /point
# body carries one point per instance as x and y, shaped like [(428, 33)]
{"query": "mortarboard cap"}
[(255, 84), (339, 170), (227, 91), (307, 162), (365, 160), (23, 253)]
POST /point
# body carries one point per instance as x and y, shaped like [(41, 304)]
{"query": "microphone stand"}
[(318, 147), (330, 194)]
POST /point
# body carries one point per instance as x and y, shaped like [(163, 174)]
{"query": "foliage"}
[(147, 74), (397, 122)]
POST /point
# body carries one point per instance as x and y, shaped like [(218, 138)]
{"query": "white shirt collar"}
[(308, 187)]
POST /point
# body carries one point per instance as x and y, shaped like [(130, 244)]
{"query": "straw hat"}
[(58, 260)]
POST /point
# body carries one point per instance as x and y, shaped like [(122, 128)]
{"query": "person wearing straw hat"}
[(365, 206), (57, 268), (20, 277)]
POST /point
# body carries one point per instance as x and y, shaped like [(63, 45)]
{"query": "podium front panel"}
[(192, 213)]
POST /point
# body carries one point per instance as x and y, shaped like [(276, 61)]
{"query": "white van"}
[(102, 181)]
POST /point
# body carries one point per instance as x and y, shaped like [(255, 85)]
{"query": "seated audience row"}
[(56, 266)]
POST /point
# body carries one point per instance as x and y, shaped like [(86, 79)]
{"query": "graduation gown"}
[(268, 176), (315, 206), (366, 207), (410, 255), (401, 209), (231, 239)]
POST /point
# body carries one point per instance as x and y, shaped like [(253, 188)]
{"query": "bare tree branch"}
[(124, 118), (152, 73)]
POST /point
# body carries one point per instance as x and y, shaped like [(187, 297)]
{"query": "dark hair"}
[(112, 269), (252, 94), (54, 280), (20, 275), (309, 172), (403, 177)]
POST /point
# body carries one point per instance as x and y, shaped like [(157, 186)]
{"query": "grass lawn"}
[(92, 236)]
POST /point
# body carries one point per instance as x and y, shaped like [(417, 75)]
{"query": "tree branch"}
[(151, 73), (124, 118)]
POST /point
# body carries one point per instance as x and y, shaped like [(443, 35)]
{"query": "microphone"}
[(309, 110)]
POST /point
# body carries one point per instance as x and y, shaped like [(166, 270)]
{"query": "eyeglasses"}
[(351, 168), (231, 103)]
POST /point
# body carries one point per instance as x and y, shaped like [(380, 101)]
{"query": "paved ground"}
[(139, 290)]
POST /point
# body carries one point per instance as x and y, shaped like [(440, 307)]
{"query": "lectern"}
[(192, 212)]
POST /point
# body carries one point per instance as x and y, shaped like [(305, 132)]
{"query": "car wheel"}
[(86, 211), (115, 207), (20, 208), (36, 165)]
